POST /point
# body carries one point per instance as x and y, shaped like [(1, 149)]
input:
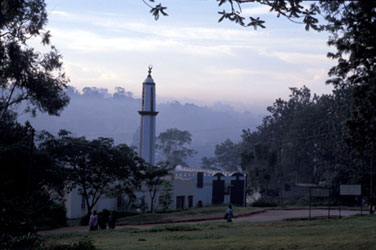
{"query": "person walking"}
[(93, 221), (229, 215)]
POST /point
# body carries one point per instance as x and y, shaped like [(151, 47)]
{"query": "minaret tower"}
[(148, 114)]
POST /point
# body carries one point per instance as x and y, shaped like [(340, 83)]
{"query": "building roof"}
[(180, 168), (149, 80)]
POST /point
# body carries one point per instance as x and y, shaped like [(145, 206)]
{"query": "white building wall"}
[(205, 193), (184, 184), (73, 201)]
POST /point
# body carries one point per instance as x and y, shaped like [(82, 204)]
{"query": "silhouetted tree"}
[(153, 179), (96, 167), (25, 74), (226, 157), (293, 10)]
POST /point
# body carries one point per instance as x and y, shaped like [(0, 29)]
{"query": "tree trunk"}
[(152, 197)]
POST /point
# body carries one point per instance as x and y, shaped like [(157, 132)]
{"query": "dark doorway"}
[(237, 192), (218, 190), (180, 202), (190, 201)]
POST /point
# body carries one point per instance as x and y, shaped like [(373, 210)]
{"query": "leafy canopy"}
[(172, 145), (96, 167), (26, 74)]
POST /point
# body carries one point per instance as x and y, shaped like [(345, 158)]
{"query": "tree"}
[(299, 142), (291, 9), (25, 74), (153, 179), (166, 194), (28, 181), (354, 33), (209, 163), (130, 174), (171, 144), (96, 167), (226, 157)]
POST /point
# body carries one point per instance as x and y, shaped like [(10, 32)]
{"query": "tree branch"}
[(8, 103)]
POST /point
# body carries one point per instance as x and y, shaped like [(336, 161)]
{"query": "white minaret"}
[(148, 114)]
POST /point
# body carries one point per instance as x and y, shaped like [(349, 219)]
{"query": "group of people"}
[(101, 220)]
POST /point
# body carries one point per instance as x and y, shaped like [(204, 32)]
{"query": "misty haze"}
[(97, 113)]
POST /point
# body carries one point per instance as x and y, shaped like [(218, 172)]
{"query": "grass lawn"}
[(356, 232)]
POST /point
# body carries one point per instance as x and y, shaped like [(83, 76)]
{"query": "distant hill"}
[(97, 113)]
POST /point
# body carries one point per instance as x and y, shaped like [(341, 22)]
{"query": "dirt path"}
[(268, 215)]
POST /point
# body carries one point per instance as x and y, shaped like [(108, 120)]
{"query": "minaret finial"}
[(150, 68)]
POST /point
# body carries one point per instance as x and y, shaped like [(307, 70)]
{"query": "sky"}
[(195, 59)]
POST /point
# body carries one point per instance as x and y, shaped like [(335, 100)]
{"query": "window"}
[(190, 201), (200, 180), (180, 202)]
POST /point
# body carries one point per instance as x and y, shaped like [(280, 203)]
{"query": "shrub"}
[(52, 216), (120, 214), (84, 221), (30, 241)]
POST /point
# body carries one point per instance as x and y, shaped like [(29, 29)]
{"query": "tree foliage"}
[(166, 196), (172, 146), (25, 74), (29, 187), (30, 181), (293, 10), (301, 141), (153, 178), (226, 157), (95, 167)]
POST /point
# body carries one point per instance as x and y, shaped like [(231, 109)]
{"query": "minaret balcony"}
[(152, 113)]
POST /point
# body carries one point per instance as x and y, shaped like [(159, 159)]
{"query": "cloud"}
[(198, 40), (89, 42), (258, 10), (123, 26), (208, 63), (300, 58), (60, 13)]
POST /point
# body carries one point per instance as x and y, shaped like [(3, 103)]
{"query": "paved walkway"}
[(261, 216)]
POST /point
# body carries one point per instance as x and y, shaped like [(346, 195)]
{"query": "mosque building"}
[(191, 187)]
